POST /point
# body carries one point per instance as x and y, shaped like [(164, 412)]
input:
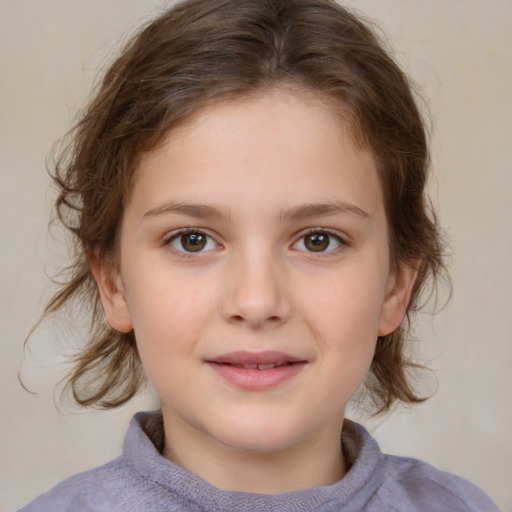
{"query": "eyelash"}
[(342, 243), (183, 232)]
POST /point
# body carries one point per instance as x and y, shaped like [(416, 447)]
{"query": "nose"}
[(255, 292)]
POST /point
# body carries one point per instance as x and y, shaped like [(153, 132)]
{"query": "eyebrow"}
[(200, 211), (317, 209), (304, 211)]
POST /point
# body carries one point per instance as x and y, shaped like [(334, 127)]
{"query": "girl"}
[(246, 195)]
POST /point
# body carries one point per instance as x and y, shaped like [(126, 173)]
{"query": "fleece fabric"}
[(141, 479)]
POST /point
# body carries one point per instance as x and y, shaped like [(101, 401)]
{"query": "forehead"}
[(284, 97), (281, 145)]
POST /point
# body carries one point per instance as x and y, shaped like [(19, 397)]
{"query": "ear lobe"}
[(398, 294), (111, 290)]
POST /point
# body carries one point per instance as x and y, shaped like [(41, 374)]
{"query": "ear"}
[(398, 293), (110, 286)]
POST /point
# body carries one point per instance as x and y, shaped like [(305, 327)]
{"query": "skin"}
[(252, 165)]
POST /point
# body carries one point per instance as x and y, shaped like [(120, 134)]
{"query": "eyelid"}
[(341, 239), (176, 234)]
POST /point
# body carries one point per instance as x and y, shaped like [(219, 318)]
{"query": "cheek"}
[(166, 298), (343, 313), (168, 315), (346, 305)]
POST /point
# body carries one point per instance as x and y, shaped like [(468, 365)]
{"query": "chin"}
[(259, 436)]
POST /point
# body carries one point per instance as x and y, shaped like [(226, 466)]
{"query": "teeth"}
[(263, 366), (267, 366)]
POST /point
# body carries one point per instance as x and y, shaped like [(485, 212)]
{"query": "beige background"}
[(460, 53)]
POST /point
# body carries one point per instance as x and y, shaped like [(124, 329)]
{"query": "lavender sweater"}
[(141, 479)]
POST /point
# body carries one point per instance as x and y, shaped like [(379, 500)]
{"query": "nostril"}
[(241, 319)]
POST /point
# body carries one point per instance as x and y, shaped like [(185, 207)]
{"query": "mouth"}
[(256, 371), (262, 366)]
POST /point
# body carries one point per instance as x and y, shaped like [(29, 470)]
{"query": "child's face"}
[(256, 235)]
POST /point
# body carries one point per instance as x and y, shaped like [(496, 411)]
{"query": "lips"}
[(255, 358), (266, 366), (258, 370)]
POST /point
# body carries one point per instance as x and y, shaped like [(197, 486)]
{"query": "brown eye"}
[(192, 241), (317, 242)]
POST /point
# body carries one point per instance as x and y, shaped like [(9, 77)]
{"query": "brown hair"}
[(203, 51)]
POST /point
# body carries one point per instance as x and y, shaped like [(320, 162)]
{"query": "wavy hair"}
[(203, 51)]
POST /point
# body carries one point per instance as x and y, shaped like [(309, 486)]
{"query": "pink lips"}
[(256, 371)]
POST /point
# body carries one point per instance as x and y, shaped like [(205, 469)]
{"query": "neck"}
[(315, 461)]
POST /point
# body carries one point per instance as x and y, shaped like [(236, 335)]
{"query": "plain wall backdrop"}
[(460, 54)]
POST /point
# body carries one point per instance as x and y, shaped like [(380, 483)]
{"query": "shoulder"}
[(139, 479), (403, 484), (416, 485), (95, 490)]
